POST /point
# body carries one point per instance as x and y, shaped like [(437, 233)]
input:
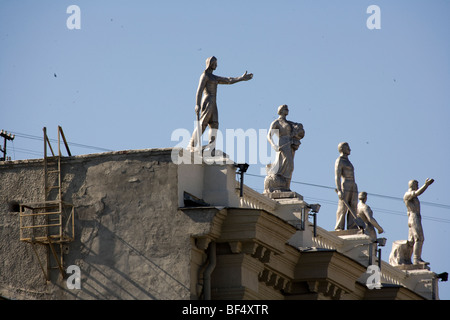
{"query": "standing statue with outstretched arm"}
[(415, 235), (206, 105)]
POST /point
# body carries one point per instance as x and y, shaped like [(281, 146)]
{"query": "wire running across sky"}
[(38, 138), (394, 212)]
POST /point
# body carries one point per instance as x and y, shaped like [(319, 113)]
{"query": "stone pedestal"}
[(210, 179), (400, 257), (347, 232), (401, 253), (291, 206), (357, 246), (419, 266), (284, 195), (294, 210), (422, 281)]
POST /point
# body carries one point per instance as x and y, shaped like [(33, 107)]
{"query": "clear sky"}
[(127, 80)]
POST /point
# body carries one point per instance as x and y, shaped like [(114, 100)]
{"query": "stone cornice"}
[(257, 226), (323, 268), (208, 223)]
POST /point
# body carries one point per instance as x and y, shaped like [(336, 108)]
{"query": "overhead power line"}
[(38, 138), (27, 151), (382, 210), (444, 206), (394, 212), (439, 205), (377, 210)]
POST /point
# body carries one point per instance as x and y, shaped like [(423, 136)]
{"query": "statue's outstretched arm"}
[(424, 187), (371, 219), (245, 77)]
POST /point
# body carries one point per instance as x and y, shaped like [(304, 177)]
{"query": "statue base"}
[(193, 156), (347, 232), (291, 206), (419, 266), (283, 195)]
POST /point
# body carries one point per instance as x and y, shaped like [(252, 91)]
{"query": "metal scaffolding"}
[(51, 222)]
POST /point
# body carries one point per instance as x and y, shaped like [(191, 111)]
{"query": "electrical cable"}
[(32, 137), (443, 206), (394, 212)]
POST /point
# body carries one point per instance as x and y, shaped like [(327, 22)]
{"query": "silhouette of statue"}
[(415, 235), (289, 133), (346, 189), (206, 105), (366, 215)]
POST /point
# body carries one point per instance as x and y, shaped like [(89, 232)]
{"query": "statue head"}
[(283, 109), (362, 196), (344, 148), (413, 184), (211, 63)]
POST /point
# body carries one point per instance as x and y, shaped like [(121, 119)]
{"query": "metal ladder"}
[(52, 166), (45, 222)]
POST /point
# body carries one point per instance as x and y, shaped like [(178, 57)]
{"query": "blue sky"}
[(127, 79)]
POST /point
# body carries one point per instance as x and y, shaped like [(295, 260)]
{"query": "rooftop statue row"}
[(279, 173), (347, 191)]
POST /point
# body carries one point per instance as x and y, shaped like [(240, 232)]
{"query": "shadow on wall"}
[(112, 268)]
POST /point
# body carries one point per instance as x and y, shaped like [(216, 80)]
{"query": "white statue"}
[(346, 189), (415, 235), (366, 215), (279, 173), (206, 105)]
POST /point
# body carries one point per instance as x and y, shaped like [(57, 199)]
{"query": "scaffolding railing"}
[(43, 220), (51, 222)]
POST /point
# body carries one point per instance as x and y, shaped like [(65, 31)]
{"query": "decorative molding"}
[(327, 288), (273, 279)]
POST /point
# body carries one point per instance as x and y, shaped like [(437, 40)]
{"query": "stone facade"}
[(147, 228)]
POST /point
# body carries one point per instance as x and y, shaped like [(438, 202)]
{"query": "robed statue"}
[(279, 173), (206, 105)]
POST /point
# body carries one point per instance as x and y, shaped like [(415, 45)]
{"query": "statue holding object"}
[(279, 173)]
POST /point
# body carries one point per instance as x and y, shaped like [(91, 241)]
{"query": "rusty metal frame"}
[(53, 212)]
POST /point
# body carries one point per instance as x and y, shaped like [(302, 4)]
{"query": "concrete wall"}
[(214, 182), (134, 239), (131, 241)]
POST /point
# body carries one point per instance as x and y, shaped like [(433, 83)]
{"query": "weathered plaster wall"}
[(131, 241), (134, 239)]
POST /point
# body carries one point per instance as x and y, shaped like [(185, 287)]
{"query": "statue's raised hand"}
[(246, 76)]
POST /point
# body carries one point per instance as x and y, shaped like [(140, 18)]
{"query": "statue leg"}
[(417, 252), (193, 142), (411, 239), (353, 202), (213, 127), (288, 184), (417, 234), (340, 216), (203, 124)]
